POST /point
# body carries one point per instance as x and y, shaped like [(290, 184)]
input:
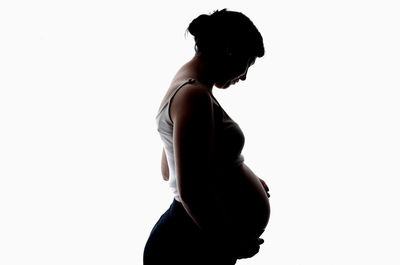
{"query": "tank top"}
[(228, 143)]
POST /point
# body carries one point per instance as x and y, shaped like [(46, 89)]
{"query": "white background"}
[(80, 85)]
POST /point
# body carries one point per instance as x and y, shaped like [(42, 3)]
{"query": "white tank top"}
[(229, 139)]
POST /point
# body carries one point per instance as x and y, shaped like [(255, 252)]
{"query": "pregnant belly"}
[(245, 201)]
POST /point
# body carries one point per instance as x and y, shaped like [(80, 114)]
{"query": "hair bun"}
[(199, 25), (224, 30)]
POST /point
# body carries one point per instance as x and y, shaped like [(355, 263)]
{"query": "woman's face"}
[(233, 69)]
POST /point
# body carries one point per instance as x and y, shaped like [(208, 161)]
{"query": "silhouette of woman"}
[(220, 207)]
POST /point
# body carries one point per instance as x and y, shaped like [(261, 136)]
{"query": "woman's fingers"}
[(249, 248), (265, 187)]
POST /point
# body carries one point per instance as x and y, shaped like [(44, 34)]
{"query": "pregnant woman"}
[(220, 207)]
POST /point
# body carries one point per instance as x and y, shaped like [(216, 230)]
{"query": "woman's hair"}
[(224, 30)]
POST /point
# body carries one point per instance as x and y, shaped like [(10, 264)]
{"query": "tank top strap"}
[(188, 81)]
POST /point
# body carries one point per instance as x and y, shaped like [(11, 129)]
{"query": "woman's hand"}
[(265, 187), (247, 249)]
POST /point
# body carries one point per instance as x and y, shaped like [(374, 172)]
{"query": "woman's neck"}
[(200, 70)]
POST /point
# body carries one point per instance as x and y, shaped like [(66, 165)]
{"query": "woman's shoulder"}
[(191, 98), (190, 89)]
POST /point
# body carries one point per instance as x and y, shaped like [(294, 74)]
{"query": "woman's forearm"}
[(211, 217), (206, 210)]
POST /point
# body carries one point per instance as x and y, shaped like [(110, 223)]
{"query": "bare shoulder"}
[(193, 91), (191, 100)]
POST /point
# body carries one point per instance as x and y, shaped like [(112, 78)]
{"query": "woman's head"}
[(225, 33), (230, 41)]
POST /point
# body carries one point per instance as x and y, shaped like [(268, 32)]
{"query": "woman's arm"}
[(164, 166), (192, 114), (193, 139)]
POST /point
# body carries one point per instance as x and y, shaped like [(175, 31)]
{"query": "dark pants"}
[(176, 239)]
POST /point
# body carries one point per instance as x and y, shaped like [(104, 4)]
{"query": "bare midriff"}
[(245, 200)]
